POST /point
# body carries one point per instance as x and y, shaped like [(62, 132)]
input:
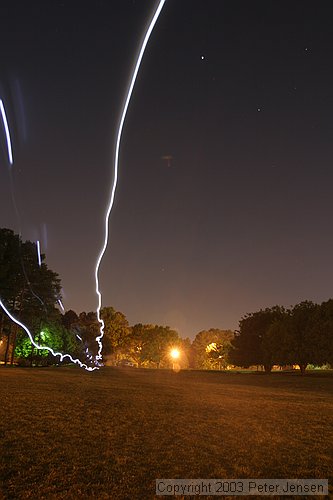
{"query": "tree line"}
[(300, 335)]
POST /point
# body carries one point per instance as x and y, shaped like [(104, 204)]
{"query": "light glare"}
[(174, 353)]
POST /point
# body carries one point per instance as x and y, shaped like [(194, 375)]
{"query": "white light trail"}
[(19, 323), (38, 253), (61, 305), (61, 356), (116, 161), (5, 124), (107, 215)]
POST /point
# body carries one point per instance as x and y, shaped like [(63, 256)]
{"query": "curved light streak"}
[(107, 215), (116, 162), (4, 308), (5, 124), (61, 356)]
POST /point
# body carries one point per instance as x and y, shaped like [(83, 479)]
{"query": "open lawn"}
[(66, 433)]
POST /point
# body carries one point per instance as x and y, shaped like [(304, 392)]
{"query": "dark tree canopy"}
[(248, 343), (302, 336), (28, 289)]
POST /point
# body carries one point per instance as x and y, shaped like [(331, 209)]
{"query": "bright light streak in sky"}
[(45, 348), (61, 305), (116, 161), (38, 253), (108, 212), (5, 124)]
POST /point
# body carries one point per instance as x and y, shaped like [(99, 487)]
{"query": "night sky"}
[(239, 93)]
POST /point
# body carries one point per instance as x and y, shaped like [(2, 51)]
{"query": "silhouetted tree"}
[(69, 319), (248, 342), (301, 336), (29, 290)]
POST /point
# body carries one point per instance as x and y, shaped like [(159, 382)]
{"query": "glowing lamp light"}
[(174, 353)]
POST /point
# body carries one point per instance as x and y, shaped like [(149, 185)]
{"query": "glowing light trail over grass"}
[(2, 305), (107, 215), (116, 163), (40, 347), (5, 124)]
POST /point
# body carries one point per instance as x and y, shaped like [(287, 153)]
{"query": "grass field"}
[(66, 433)]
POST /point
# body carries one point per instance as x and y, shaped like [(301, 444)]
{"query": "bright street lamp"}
[(174, 353)]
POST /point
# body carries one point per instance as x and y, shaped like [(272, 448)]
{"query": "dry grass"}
[(66, 433)]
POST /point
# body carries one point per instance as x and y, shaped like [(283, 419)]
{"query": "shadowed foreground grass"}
[(66, 433)]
